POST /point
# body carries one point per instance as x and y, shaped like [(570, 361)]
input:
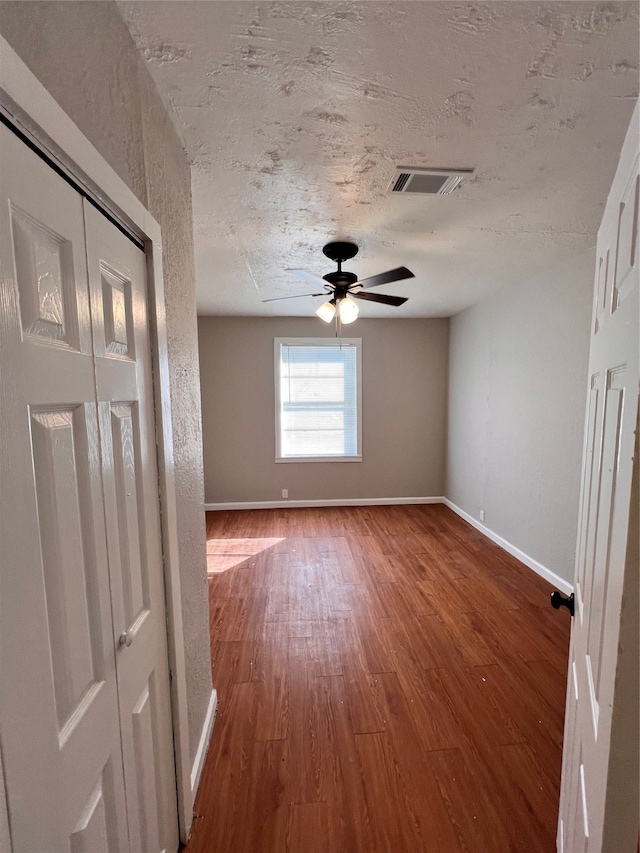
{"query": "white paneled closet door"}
[(84, 721), (117, 279)]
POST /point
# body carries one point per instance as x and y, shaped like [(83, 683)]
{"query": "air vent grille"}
[(408, 179), (402, 180)]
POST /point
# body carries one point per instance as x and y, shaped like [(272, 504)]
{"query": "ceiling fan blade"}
[(398, 274), (309, 276), (295, 296), (380, 297)]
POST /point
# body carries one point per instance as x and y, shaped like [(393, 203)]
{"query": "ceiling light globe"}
[(348, 310), (326, 311)]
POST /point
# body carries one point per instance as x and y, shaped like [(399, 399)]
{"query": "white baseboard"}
[(203, 746), (538, 568), (287, 504)]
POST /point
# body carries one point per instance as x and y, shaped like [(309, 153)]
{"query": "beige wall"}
[(84, 55), (404, 380), (518, 372)]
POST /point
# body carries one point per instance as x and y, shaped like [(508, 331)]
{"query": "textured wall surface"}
[(83, 53), (404, 389), (517, 394)]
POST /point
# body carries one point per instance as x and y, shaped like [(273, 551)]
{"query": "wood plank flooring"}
[(388, 680)]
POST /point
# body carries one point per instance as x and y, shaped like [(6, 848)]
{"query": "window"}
[(318, 399)]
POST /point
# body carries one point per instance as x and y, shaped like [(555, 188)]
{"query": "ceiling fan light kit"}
[(326, 312), (344, 287), (348, 310)]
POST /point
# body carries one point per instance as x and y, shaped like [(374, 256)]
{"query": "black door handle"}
[(557, 601)]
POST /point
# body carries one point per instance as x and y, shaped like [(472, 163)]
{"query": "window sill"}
[(318, 459)]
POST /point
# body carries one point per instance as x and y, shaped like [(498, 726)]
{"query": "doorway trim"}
[(30, 108)]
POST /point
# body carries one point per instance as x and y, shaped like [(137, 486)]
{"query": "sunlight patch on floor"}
[(224, 554)]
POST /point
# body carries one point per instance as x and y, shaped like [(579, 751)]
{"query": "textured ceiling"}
[(295, 115)]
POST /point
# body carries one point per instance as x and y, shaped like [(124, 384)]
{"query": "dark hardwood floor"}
[(388, 680)]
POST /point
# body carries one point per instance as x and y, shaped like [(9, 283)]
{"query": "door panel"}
[(63, 487), (117, 314), (601, 561), (92, 833), (627, 248), (50, 305), (58, 703), (144, 735), (128, 488), (601, 565), (592, 451), (117, 279)]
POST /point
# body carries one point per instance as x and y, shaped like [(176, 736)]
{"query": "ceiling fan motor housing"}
[(341, 279), (340, 251)]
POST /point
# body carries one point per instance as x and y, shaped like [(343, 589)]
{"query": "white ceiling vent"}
[(408, 179)]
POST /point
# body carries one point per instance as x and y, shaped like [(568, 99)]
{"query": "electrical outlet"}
[(285, 493), (481, 515)]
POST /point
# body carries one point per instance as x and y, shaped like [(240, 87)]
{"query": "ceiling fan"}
[(344, 287)]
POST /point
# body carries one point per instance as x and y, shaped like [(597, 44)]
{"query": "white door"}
[(58, 694), (602, 561), (87, 759), (117, 279)]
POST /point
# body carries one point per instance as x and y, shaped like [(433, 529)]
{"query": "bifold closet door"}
[(85, 714), (120, 322), (59, 720)]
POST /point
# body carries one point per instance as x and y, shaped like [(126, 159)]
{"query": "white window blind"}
[(318, 397)]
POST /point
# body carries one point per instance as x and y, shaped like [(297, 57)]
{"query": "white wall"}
[(404, 379), (518, 372), (83, 54)]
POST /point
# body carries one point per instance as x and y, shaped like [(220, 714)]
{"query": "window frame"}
[(318, 342)]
